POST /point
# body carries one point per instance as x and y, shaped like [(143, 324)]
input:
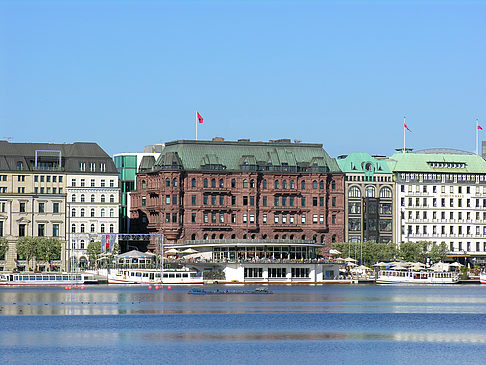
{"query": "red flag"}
[(406, 127), (199, 118), (479, 127)]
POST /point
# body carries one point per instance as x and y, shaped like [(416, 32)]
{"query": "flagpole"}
[(403, 134), (477, 134), (196, 125)]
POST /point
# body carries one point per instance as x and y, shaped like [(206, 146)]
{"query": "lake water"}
[(294, 325)]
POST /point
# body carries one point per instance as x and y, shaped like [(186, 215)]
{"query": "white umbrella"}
[(189, 250), (456, 264), (334, 252), (381, 264), (172, 251), (362, 267), (349, 259), (352, 264)]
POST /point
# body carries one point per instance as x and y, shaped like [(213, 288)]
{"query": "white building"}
[(441, 197)]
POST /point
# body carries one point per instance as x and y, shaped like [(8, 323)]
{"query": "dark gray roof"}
[(71, 156)]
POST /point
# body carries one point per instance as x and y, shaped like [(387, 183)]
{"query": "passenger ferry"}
[(416, 277), (46, 278), (153, 276)]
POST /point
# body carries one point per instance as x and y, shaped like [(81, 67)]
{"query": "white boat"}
[(46, 278), (416, 277), (153, 276), (482, 277)]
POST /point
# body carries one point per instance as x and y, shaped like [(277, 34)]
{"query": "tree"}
[(414, 251), (438, 252), (94, 251), (26, 248), (3, 247), (48, 249), (372, 251)]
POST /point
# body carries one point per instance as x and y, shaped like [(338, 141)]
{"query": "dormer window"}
[(82, 166)]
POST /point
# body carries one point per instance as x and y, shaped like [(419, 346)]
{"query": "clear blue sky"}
[(344, 73)]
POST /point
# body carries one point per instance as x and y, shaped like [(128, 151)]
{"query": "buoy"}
[(82, 288), (66, 287), (157, 287), (169, 287), (75, 287), (150, 287)]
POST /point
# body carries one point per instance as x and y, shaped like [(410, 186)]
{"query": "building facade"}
[(34, 186), (441, 197), (200, 190), (368, 198)]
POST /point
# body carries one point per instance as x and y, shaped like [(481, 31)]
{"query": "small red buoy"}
[(75, 287), (169, 287), (150, 287), (66, 287), (82, 288), (157, 287)]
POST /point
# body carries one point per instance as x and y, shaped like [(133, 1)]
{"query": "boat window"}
[(45, 278), (185, 275), (171, 275), (139, 274), (145, 274), (58, 277), (65, 277), (52, 277), (157, 275), (38, 277), (78, 277), (132, 274), (166, 275), (32, 277)]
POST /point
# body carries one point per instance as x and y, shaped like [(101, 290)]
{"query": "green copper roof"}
[(445, 162), (245, 155), (362, 162)]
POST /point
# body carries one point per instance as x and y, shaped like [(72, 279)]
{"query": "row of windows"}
[(423, 214), (92, 212), (42, 207), (41, 230), (384, 225), (368, 178), (370, 207), (82, 183), (246, 183), (443, 230), (442, 178), (47, 178), (370, 192), (443, 202), (92, 166), (42, 190), (82, 228), (222, 236), (82, 198), (468, 246), (452, 189), (278, 218)]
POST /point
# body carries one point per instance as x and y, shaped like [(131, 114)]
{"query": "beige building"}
[(33, 184)]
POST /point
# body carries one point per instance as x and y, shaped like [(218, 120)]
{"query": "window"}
[(264, 201), (55, 230), (221, 200), (314, 184), (205, 183), (81, 228), (333, 185), (292, 184), (370, 191), (333, 219), (386, 192), (314, 219), (93, 183), (205, 199), (213, 183), (112, 228), (276, 184), (82, 212), (103, 209), (73, 182), (302, 218), (333, 201), (112, 183), (314, 201), (73, 198), (276, 199), (167, 182), (92, 198), (21, 230), (233, 183), (193, 218), (112, 198), (167, 200), (174, 199), (102, 198), (92, 214), (284, 184), (354, 192), (221, 183), (264, 219), (264, 184), (245, 183), (275, 217), (55, 207), (73, 228), (92, 228), (193, 200), (321, 201), (73, 212), (144, 184), (302, 184), (321, 184), (41, 230), (193, 182), (83, 182), (41, 207), (82, 198), (303, 201), (22, 207), (174, 182), (102, 228)]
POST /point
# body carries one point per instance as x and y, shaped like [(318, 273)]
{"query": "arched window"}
[(245, 183), (276, 237), (92, 228), (92, 214), (82, 198), (213, 183), (233, 236), (193, 182), (205, 183), (354, 192), (321, 184), (276, 184), (102, 198), (322, 238), (167, 182), (292, 184), (82, 212), (221, 183), (252, 236), (205, 236), (73, 228), (284, 236), (112, 228), (302, 184), (385, 192), (112, 198), (303, 237), (73, 212), (174, 182), (333, 238), (264, 183), (144, 184), (252, 183), (370, 191), (314, 184), (333, 185), (233, 183), (73, 198), (291, 237), (314, 238), (102, 212), (284, 184), (112, 212), (264, 236), (193, 237), (102, 228), (82, 228), (92, 198), (213, 236)]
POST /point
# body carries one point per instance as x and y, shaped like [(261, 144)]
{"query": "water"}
[(295, 325)]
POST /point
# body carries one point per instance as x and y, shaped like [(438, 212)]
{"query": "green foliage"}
[(26, 247), (438, 252), (48, 249), (414, 251), (94, 251), (372, 251), (3, 247)]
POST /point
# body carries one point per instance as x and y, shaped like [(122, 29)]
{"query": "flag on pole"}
[(199, 118), (405, 126), (479, 127)]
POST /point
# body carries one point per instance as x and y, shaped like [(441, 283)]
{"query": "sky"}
[(126, 74)]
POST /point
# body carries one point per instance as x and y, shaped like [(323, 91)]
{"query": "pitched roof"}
[(446, 162), (362, 162), (245, 155)]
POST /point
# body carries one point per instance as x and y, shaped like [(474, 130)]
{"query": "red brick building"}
[(235, 190)]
